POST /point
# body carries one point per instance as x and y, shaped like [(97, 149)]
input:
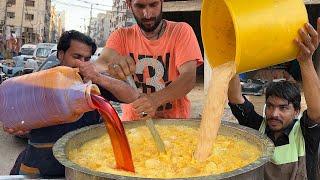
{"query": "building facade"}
[(57, 24), (121, 16), (100, 28), (27, 21)]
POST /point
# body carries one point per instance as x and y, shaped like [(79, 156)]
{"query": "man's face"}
[(148, 13), (279, 113), (77, 51)]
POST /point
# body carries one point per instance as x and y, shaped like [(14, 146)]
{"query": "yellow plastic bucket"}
[(255, 34)]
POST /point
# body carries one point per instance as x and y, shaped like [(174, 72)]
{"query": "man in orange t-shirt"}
[(162, 56)]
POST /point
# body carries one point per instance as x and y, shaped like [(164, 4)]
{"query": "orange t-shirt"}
[(157, 62)]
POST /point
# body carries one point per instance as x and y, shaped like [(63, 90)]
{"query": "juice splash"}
[(118, 137)]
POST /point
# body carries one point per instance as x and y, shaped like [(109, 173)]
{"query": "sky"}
[(78, 11)]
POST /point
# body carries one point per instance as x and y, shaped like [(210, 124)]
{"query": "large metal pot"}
[(75, 139)]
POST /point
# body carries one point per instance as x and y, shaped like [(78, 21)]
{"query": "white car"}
[(96, 54), (43, 50), (27, 50)]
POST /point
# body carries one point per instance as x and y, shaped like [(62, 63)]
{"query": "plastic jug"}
[(255, 34), (45, 98)]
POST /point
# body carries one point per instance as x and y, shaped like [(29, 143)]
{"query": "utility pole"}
[(89, 27), (84, 25), (22, 14), (4, 36)]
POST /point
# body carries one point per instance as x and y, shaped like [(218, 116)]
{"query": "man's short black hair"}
[(285, 90), (66, 37)]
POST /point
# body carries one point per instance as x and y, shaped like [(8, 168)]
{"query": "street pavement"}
[(10, 147)]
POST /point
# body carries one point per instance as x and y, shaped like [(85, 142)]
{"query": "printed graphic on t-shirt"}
[(152, 75)]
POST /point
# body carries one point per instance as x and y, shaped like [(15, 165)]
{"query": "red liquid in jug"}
[(119, 141)]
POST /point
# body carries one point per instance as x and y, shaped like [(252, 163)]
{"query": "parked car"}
[(3, 76), (13, 67), (27, 50), (43, 50), (22, 64), (50, 62), (30, 66), (1, 57), (253, 87)]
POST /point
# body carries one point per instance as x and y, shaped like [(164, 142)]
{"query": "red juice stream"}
[(118, 137)]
